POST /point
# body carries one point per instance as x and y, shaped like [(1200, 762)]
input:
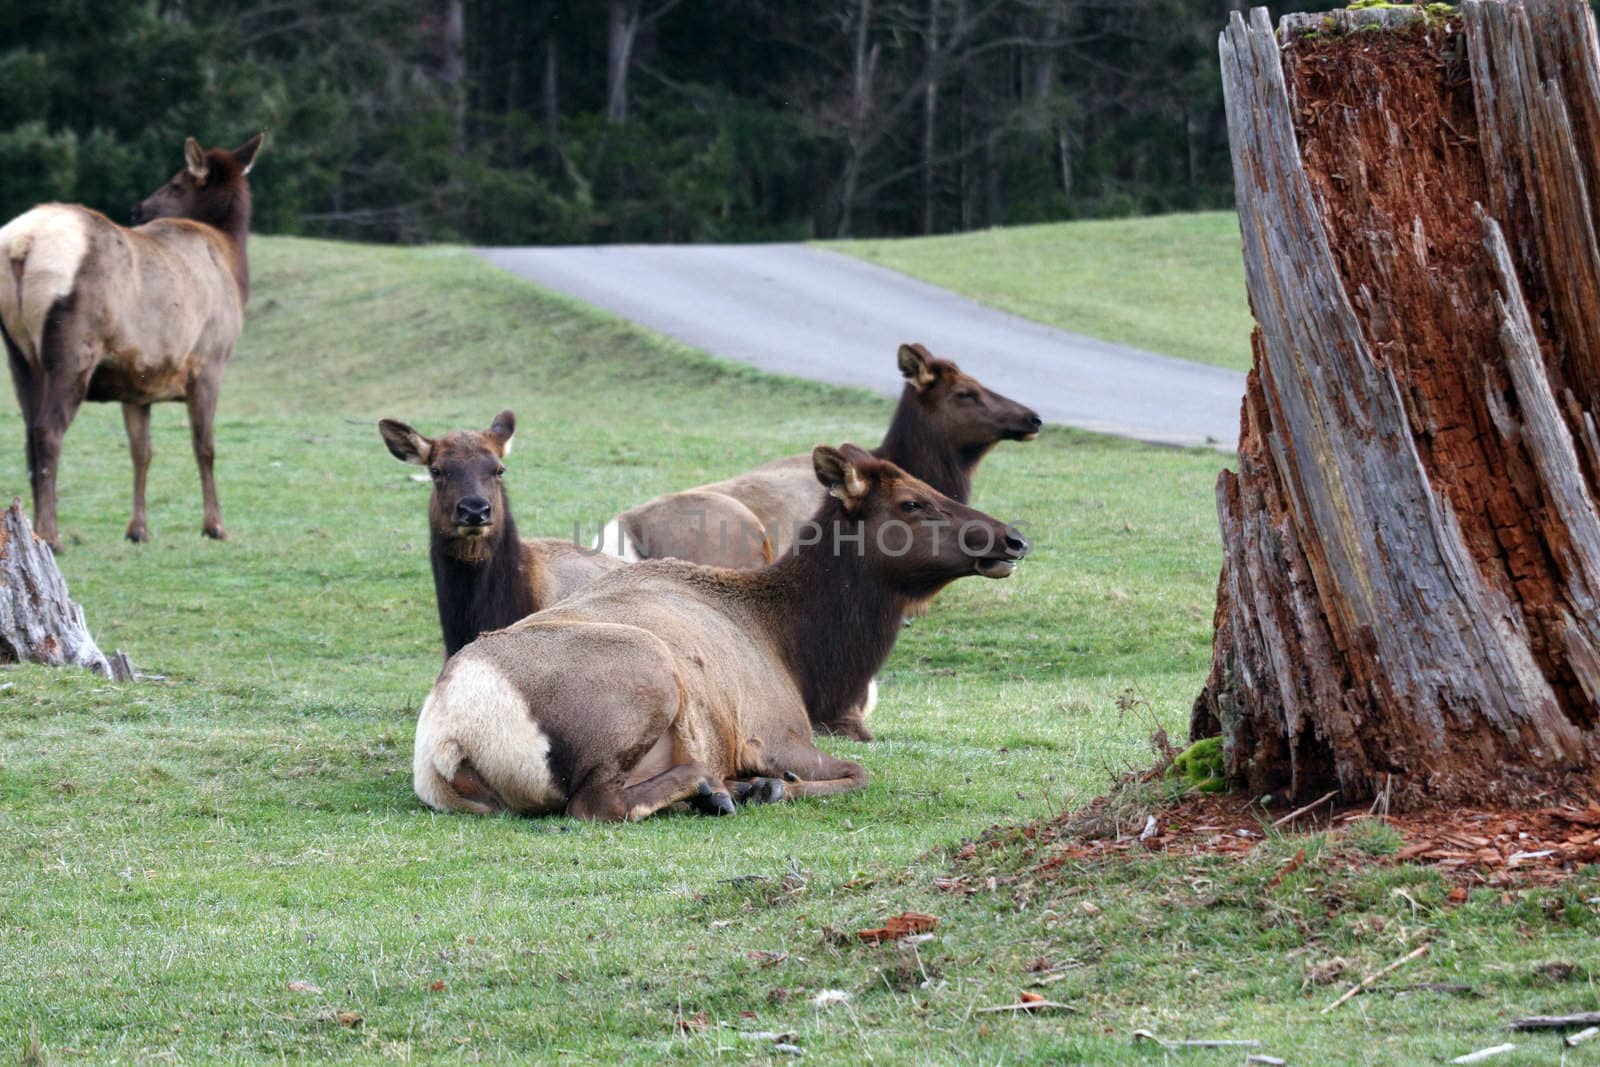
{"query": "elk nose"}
[(1016, 544), (472, 511), (1034, 423)]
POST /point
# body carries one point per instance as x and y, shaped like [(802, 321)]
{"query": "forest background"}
[(578, 121)]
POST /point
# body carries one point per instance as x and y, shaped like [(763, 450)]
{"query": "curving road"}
[(794, 309)]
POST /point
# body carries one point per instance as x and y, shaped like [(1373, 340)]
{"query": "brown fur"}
[(944, 425), (99, 312), (485, 577), (667, 681)]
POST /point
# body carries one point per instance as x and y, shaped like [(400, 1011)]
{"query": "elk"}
[(668, 681), (96, 311), (945, 423), (484, 576)]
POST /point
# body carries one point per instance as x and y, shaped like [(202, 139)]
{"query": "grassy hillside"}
[(227, 862), (1172, 283)]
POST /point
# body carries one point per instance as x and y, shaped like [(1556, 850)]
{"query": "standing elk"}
[(945, 423), (668, 681), (96, 311)]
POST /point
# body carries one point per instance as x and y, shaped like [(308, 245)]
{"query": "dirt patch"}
[(1470, 847)]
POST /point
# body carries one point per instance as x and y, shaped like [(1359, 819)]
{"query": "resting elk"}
[(484, 576), (667, 681), (944, 425), (95, 311)]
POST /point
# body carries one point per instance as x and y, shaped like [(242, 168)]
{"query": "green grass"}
[(175, 853), (1171, 284)]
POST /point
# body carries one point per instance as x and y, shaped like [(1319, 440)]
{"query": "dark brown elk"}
[(944, 425), (668, 681), (94, 311), (484, 576)]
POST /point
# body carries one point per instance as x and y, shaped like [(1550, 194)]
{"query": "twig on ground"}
[(1146, 1035), (1297, 812), (1264, 1060), (1288, 869), (1484, 1054), (1416, 953), (1556, 1022), (1574, 1040)]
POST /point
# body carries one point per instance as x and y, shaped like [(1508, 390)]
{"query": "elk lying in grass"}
[(94, 311), (944, 425), (672, 682), (484, 576)]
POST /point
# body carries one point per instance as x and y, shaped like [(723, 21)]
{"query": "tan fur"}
[(160, 308), (475, 713), (45, 248)]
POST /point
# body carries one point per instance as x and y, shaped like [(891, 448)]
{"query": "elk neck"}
[(488, 591), (835, 622), (916, 447)]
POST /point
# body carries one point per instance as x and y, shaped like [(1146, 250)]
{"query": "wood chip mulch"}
[(1538, 846)]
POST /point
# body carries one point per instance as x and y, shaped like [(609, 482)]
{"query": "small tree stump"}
[(39, 623), (1410, 595)]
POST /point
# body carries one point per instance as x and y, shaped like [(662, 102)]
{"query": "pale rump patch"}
[(614, 541), (44, 248), (475, 713)]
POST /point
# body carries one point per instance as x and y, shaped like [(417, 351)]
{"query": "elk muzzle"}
[(1012, 547), (1027, 427), (473, 514)]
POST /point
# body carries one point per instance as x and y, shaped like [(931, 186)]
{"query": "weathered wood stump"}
[(1410, 593), (39, 623)]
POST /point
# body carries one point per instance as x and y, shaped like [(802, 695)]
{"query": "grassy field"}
[(1172, 283), (228, 863)]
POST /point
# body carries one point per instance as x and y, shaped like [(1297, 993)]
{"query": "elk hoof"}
[(790, 776), (137, 534), (707, 802), (215, 532), (760, 791)]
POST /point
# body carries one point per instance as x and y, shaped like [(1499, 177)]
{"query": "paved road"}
[(798, 310)]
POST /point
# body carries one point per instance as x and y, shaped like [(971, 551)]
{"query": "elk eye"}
[(436, 472), (967, 395), (498, 471), (910, 507)]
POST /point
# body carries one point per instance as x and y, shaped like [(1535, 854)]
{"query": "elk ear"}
[(194, 158), (916, 365), (502, 430), (842, 478), (408, 445), (246, 153)]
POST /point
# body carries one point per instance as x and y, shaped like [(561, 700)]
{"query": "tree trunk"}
[(550, 92), (622, 27), (930, 107), (1410, 594), (39, 623)]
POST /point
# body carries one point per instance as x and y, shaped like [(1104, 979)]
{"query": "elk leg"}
[(806, 770), (611, 801), (136, 420), (758, 790), (60, 388), (202, 413)]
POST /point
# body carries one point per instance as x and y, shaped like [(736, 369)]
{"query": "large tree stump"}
[(1410, 592), (39, 623)]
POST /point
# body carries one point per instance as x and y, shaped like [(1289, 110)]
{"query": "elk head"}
[(960, 409), (210, 188), (468, 511), (917, 538)]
